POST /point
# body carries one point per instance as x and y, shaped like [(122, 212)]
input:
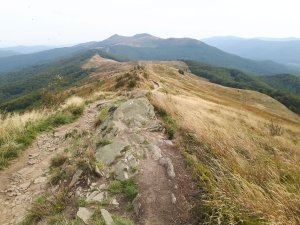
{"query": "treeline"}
[(237, 79), (285, 82)]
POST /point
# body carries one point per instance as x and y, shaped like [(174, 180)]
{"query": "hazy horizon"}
[(56, 23)]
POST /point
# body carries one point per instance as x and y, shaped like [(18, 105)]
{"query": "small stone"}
[(114, 202), (31, 156), (107, 217), (99, 197), (98, 172), (75, 177), (167, 163), (31, 162), (102, 187), (136, 205), (24, 186), (84, 214), (169, 142), (40, 180), (173, 198)]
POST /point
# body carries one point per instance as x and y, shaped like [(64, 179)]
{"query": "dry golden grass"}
[(17, 131), (12, 125), (251, 168), (73, 101)]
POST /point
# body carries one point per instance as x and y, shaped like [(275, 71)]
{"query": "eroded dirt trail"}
[(26, 178), (136, 147), (165, 188)]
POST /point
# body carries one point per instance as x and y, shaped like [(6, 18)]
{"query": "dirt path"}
[(26, 178), (165, 199), (165, 189)]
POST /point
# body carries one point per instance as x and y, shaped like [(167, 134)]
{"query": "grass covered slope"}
[(18, 131), (246, 173), (277, 86)]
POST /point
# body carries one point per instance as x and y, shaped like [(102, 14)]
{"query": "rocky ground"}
[(125, 167), (23, 181)]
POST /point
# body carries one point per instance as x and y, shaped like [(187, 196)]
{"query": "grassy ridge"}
[(238, 79)]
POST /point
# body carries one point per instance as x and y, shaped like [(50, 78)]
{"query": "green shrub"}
[(126, 187), (170, 125), (58, 160)]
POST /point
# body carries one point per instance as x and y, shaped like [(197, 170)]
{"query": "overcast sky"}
[(56, 22)]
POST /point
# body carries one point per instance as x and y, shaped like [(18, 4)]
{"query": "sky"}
[(65, 22)]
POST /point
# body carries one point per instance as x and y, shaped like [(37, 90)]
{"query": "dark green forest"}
[(237, 79), (26, 88), (284, 82)]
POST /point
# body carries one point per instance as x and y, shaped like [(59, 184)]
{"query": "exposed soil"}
[(164, 198)]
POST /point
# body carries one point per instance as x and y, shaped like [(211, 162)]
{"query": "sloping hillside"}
[(245, 170), (158, 145), (280, 87)]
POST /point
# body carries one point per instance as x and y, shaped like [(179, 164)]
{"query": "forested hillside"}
[(284, 82)]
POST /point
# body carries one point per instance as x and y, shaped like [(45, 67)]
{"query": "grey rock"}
[(107, 217), (40, 180), (102, 187), (75, 178), (108, 153), (99, 197), (136, 205), (84, 214), (32, 161), (169, 142), (131, 161), (31, 156), (121, 171), (173, 198), (167, 163), (136, 113), (155, 151), (114, 202), (24, 186)]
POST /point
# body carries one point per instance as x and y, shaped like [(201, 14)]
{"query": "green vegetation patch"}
[(169, 122), (126, 187), (101, 116)]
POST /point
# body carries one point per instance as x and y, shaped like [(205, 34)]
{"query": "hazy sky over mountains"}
[(56, 22)]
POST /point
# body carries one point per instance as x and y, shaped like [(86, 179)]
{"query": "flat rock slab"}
[(40, 180), (136, 113), (108, 153), (107, 217), (84, 214)]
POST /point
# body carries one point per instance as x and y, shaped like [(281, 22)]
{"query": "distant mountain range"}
[(148, 47), (18, 50), (286, 50)]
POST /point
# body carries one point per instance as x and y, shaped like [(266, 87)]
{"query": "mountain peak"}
[(145, 35)]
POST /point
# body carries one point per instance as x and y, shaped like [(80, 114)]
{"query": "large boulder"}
[(136, 113)]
